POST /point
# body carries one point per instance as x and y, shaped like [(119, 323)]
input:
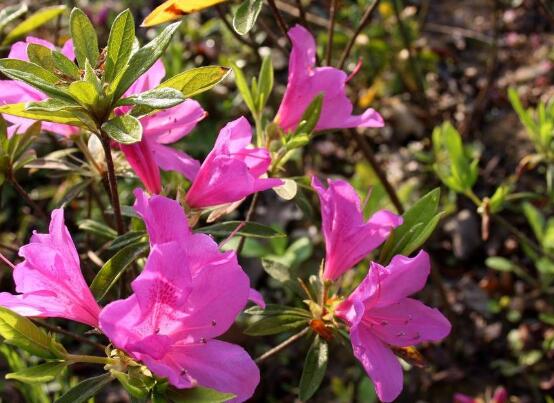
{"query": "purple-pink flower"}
[(165, 127), (16, 91), (188, 294), (348, 238), (500, 396), (49, 281), (307, 81), (380, 314), (232, 170)]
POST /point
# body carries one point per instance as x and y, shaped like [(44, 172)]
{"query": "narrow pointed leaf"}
[(84, 38), (314, 368), (10, 13), (157, 98), (43, 373), (66, 66), (195, 81), (34, 21), (246, 16), (72, 118), (120, 44), (198, 395), (250, 229), (86, 389)]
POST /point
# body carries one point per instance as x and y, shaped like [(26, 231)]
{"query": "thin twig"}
[(280, 21), (23, 193), (248, 217), (282, 346), (302, 14), (112, 179), (221, 12), (366, 150), (331, 31), (363, 22), (78, 337)]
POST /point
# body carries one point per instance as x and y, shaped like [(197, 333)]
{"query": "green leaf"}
[(113, 269), (85, 40), (43, 373), (66, 66), (195, 81), (97, 228), (84, 93), (277, 270), (142, 60), (41, 111), (198, 395), (124, 129), (21, 332), (53, 105), (157, 98), (35, 76), (246, 16), (314, 369), (10, 13), (288, 190), (120, 44), (243, 88), (34, 21), (499, 263), (278, 322), (126, 239), (311, 116), (250, 229), (41, 56), (86, 389), (535, 219), (265, 80), (135, 389), (419, 221)]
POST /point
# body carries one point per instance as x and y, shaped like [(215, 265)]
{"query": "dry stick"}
[(282, 346), (302, 14), (366, 150), (113, 183), (280, 21), (248, 217), (223, 17), (408, 46), (78, 337), (331, 31), (363, 22), (23, 193)]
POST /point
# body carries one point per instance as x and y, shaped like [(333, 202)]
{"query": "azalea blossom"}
[(14, 92), (348, 238), (232, 170), (188, 294), (165, 127), (307, 81), (500, 396), (380, 314), (49, 281)]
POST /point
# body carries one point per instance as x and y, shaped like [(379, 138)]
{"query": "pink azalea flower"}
[(162, 128), (16, 91), (49, 280), (232, 170), (188, 294), (379, 313), (348, 239), (307, 81), (500, 396)]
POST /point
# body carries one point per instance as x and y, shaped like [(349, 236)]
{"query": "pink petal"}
[(50, 278), (379, 362), (256, 297), (148, 80), (234, 137), (141, 158), (68, 50), (217, 365), (165, 219), (171, 125), (170, 159), (348, 239), (408, 322)]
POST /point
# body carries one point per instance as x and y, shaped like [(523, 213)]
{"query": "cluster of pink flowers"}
[(190, 292)]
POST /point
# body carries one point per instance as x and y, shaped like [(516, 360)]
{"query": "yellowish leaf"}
[(174, 9)]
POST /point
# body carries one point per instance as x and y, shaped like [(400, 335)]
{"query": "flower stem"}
[(23, 193), (112, 179), (331, 32), (91, 359), (78, 337), (282, 346)]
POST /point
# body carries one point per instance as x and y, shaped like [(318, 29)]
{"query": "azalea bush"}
[(161, 262)]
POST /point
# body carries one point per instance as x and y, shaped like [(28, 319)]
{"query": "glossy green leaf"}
[(250, 229), (35, 76), (120, 44), (86, 389), (157, 98), (42, 56), (112, 270), (278, 321), (142, 60), (310, 117), (246, 16), (23, 333), (124, 129), (85, 40), (94, 227), (265, 81), (43, 373), (314, 368), (124, 240), (84, 93), (198, 395), (242, 85), (66, 66), (10, 13), (195, 81), (34, 21)]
